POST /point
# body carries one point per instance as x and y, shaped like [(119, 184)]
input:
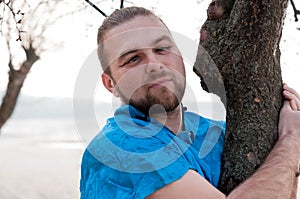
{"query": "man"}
[(152, 147)]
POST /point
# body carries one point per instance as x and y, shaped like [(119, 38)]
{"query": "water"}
[(40, 158), (58, 133)]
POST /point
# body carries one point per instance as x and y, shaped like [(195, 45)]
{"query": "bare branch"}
[(84, 7), (31, 55), (9, 5), (71, 13), (23, 53), (8, 38), (1, 17), (296, 12), (98, 9)]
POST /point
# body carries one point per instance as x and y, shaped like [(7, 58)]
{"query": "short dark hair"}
[(118, 17)]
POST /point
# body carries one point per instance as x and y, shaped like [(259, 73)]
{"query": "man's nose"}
[(154, 64)]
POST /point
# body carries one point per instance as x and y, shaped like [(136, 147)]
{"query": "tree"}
[(24, 25), (242, 38)]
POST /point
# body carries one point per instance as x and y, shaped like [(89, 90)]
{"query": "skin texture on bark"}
[(242, 38)]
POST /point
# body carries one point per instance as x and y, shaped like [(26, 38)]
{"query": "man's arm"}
[(274, 179)]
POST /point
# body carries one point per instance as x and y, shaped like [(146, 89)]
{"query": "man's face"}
[(146, 66)]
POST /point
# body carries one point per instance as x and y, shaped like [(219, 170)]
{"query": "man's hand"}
[(289, 125), (289, 122), (293, 97)]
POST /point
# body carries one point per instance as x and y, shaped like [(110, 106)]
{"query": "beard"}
[(167, 99)]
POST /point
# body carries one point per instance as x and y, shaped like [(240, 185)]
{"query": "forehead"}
[(140, 32)]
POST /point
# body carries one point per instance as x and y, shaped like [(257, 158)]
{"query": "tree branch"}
[(98, 9), (1, 17), (296, 12), (9, 5), (8, 38), (122, 4), (41, 14)]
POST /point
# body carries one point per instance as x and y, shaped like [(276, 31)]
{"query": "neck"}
[(172, 120)]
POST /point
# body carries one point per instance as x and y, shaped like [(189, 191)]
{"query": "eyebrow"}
[(156, 41), (163, 37)]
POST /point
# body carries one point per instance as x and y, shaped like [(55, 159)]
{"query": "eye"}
[(131, 60), (162, 49)]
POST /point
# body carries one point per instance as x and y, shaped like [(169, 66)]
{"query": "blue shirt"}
[(135, 155)]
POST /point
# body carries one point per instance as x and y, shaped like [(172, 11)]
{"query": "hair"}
[(118, 17)]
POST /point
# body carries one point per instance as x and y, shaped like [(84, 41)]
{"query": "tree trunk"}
[(242, 37), (15, 83)]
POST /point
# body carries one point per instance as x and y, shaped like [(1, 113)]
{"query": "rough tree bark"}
[(242, 38)]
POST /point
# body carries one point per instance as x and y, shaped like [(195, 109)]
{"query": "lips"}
[(159, 82)]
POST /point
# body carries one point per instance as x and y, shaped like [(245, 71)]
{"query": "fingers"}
[(291, 95), (295, 105), (291, 90), (294, 101)]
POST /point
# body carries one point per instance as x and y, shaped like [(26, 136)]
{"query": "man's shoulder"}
[(122, 142)]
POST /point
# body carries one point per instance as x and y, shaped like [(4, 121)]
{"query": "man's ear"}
[(109, 84)]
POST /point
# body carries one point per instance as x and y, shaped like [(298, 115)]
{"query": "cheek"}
[(179, 66), (130, 82), (175, 60)]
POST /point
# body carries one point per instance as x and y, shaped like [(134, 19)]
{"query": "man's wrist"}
[(289, 141), (288, 148)]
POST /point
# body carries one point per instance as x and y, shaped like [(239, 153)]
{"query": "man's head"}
[(145, 65), (118, 17)]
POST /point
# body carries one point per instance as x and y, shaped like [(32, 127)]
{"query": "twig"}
[(71, 12), (10, 7), (122, 4), (98, 9), (8, 37), (2, 17), (296, 12)]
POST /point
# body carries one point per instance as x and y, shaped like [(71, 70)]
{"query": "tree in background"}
[(24, 25), (242, 37)]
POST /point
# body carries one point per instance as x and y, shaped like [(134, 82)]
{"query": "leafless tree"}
[(24, 24)]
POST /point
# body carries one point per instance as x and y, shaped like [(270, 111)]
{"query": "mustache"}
[(153, 77)]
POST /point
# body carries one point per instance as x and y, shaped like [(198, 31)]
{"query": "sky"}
[(55, 74)]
